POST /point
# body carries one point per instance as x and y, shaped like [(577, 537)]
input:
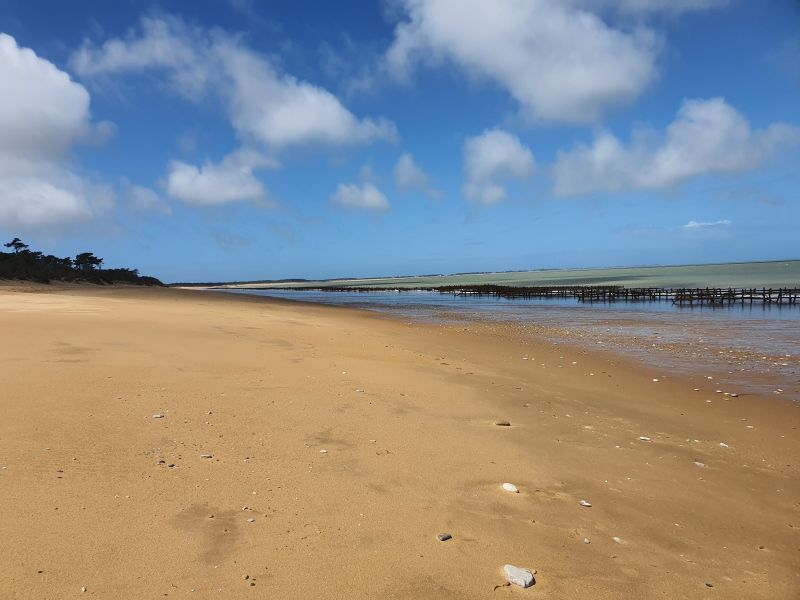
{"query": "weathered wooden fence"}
[(591, 293)]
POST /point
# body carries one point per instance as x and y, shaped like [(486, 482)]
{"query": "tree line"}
[(23, 263)]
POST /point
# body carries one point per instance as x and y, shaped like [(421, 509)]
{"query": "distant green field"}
[(761, 274)]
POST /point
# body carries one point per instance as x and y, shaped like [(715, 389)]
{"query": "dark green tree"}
[(17, 244), (87, 261)]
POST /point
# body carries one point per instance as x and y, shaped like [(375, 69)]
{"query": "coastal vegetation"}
[(22, 263)]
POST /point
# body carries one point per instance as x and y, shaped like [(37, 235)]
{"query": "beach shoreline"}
[(104, 383), (742, 354)]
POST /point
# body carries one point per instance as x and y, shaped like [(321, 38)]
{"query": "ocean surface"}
[(749, 348)]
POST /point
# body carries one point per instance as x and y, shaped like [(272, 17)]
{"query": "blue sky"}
[(232, 140)]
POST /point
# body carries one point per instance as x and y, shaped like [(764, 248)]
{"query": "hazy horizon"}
[(784, 273)]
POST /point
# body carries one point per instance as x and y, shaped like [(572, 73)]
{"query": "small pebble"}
[(502, 423), (443, 537), (644, 438), (510, 487), (158, 416), (206, 456), (251, 520), (586, 541), (585, 503), (617, 540), (723, 445), (699, 464), (655, 380), (323, 451)]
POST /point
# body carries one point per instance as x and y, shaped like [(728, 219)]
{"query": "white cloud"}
[(167, 44), (42, 112), (490, 161), (265, 105), (279, 110), (560, 63), (706, 137), (698, 226), (364, 196), (231, 180), (42, 115), (409, 176)]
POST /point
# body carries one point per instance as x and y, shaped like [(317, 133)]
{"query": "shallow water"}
[(753, 348)]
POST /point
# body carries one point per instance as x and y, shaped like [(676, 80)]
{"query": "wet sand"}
[(405, 414)]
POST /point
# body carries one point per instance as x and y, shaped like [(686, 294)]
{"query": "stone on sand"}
[(518, 576), (510, 487), (502, 423)]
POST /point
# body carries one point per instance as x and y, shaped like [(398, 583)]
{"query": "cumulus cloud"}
[(558, 61), (706, 137), (265, 105), (43, 114), (409, 176), (231, 180), (699, 226), (364, 196), (491, 160)]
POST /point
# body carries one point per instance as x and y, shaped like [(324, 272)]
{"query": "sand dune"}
[(173, 443)]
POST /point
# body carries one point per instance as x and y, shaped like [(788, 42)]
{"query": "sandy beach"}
[(190, 444)]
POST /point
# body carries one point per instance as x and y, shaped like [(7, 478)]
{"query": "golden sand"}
[(341, 443)]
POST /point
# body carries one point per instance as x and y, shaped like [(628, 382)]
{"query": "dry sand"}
[(406, 416)]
